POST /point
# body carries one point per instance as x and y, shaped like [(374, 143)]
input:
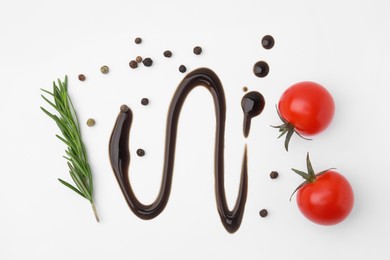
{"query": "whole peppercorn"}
[(147, 62), (145, 101), (197, 50), (138, 40), (133, 64), (140, 152), (245, 89), (81, 77), (90, 122), (138, 59), (263, 213), (274, 175), (167, 54), (104, 69), (182, 68)]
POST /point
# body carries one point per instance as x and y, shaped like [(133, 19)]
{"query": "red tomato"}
[(328, 200), (306, 108), (325, 198)]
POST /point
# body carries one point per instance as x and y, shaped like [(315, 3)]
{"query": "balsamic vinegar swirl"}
[(120, 155)]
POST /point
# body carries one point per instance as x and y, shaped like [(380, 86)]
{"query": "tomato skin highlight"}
[(308, 106), (328, 200)]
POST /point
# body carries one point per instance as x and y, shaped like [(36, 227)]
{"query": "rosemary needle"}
[(76, 155)]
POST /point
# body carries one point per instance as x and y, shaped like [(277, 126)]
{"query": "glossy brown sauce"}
[(268, 42), (252, 105), (261, 69), (120, 155)]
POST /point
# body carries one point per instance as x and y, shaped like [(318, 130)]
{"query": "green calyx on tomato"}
[(325, 198), (309, 176), (288, 129)]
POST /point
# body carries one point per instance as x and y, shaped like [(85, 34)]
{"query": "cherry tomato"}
[(326, 198), (326, 201), (305, 108)]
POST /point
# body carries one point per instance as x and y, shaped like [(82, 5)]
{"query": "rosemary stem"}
[(76, 155), (95, 211)]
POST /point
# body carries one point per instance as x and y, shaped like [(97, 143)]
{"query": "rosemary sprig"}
[(76, 155)]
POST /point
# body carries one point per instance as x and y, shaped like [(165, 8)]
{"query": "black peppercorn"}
[(274, 174), (245, 89), (263, 213), (145, 101), (81, 77), (197, 50), (140, 152), (182, 68), (133, 64), (138, 40), (147, 62), (167, 53), (138, 59)]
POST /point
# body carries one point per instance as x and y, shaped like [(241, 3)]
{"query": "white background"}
[(344, 45)]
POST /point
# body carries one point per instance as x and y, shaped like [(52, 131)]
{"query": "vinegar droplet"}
[(252, 105)]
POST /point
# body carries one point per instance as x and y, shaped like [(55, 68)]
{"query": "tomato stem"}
[(288, 129), (309, 176)]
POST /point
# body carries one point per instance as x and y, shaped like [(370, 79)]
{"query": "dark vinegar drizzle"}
[(120, 155), (261, 69), (252, 105), (268, 42)]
